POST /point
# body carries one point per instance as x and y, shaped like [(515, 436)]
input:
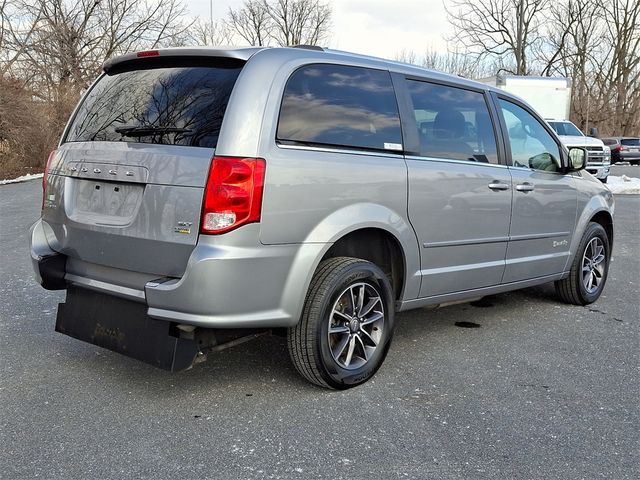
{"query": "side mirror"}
[(577, 158), (593, 132)]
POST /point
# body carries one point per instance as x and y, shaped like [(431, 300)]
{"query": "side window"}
[(531, 145), (341, 106), (452, 123)]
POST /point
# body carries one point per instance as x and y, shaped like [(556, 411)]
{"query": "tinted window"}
[(609, 141), (634, 142), (531, 145), (189, 100), (342, 106), (453, 123)]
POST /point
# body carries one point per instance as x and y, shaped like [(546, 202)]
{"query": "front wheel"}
[(589, 269), (346, 326)]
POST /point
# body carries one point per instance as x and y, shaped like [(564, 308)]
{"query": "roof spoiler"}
[(123, 61)]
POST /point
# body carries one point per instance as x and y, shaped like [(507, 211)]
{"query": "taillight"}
[(233, 194), (621, 149), (44, 176)]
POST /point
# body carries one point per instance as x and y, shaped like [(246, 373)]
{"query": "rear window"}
[(341, 106), (609, 141), (633, 142), (173, 106)]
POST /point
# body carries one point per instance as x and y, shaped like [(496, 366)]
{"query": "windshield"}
[(174, 106), (566, 128)]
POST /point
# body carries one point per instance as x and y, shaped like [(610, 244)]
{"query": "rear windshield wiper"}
[(142, 131)]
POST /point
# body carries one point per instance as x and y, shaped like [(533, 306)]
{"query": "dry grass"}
[(29, 128)]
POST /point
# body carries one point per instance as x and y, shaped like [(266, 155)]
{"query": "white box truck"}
[(551, 98)]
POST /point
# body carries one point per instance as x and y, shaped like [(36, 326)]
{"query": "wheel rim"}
[(593, 265), (356, 325)]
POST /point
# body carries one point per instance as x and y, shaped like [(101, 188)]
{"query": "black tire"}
[(313, 348), (573, 289)]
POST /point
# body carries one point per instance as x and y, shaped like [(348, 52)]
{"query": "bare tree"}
[(596, 44), (210, 33), (453, 61), (623, 23), (282, 22), (52, 49), (52, 43), (506, 29), (299, 22), (407, 56), (251, 22)]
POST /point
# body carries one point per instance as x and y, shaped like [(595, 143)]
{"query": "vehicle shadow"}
[(263, 365)]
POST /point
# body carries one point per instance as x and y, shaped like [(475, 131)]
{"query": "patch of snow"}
[(623, 185), (23, 178)]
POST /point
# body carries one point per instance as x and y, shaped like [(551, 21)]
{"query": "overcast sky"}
[(372, 27)]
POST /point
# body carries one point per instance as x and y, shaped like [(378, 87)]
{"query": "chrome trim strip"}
[(536, 258), (451, 160), (536, 236), (368, 153), (473, 241), (528, 169), (509, 238), (462, 268)]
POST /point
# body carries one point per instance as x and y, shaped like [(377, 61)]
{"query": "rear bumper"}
[(247, 285)]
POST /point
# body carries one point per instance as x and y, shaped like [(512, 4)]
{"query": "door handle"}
[(495, 185), (525, 187)]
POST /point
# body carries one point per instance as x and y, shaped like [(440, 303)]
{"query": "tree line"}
[(51, 50), (595, 43)]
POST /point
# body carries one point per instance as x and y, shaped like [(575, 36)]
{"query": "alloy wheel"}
[(356, 325), (593, 265)]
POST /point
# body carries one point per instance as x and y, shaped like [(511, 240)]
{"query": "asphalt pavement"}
[(539, 390)]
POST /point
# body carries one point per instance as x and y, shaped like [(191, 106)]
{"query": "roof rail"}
[(309, 47)]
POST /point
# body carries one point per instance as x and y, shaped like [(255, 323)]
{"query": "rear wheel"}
[(346, 326), (589, 269)]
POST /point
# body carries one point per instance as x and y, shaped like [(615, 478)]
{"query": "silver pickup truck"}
[(199, 197)]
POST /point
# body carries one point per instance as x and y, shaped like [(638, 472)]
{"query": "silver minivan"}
[(200, 197)]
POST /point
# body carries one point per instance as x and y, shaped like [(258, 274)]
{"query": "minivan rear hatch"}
[(125, 186)]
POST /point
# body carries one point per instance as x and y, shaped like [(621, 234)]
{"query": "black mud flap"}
[(124, 327)]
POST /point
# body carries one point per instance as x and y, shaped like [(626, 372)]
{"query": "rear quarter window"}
[(177, 105), (342, 106)]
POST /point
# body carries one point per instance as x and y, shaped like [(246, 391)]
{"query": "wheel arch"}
[(598, 208), (377, 246), (338, 235), (605, 219)]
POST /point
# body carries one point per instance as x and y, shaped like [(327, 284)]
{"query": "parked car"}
[(199, 197), (598, 153), (624, 149)]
